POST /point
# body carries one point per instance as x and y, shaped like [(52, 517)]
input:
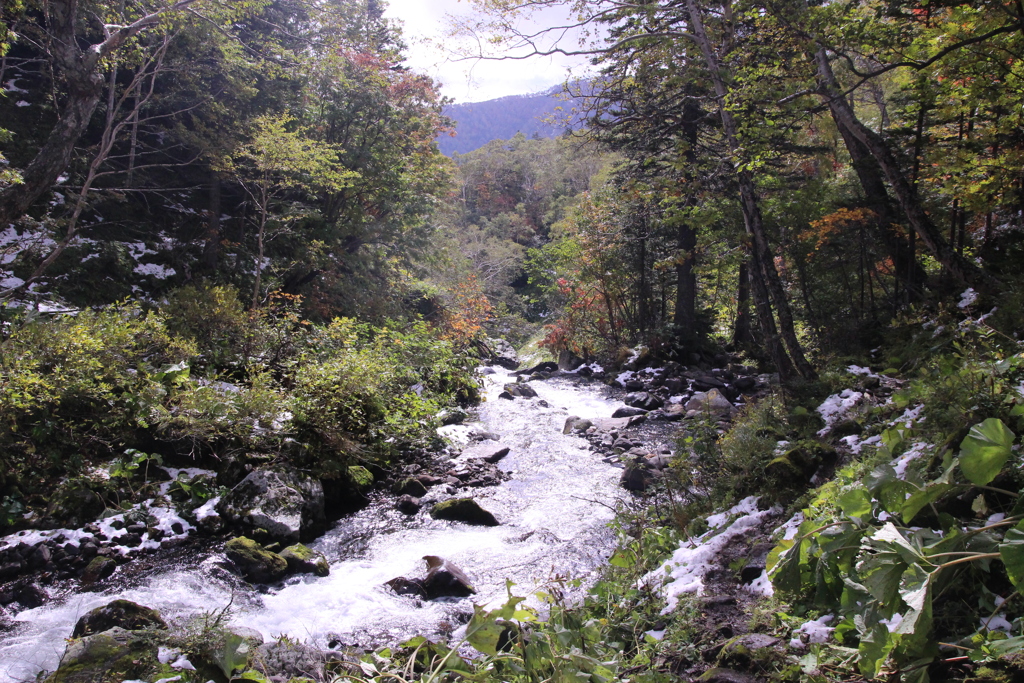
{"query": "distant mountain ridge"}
[(477, 123)]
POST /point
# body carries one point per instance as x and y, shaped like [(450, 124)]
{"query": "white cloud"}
[(474, 80)]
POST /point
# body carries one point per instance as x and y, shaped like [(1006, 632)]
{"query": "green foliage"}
[(721, 469), (895, 553), (375, 386), (79, 385)]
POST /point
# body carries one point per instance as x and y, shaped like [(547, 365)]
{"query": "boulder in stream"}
[(126, 614), (445, 579), (642, 399), (628, 411), (404, 586), (303, 560), (257, 564), (463, 510), (488, 452), (98, 569), (114, 655), (289, 506), (408, 505), (520, 390)]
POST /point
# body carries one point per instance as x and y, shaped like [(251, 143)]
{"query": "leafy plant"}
[(858, 554)]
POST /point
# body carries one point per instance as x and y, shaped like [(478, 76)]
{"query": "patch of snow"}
[(859, 370), (836, 406), (12, 86), (22, 103), (207, 509), (595, 367), (856, 445), (155, 270), (457, 435), (684, 571), (281, 420), (996, 518), (915, 451), (656, 635), (893, 622), (762, 585), (182, 664), (747, 506), (909, 417), (996, 623), (817, 631), (790, 528), (10, 282), (967, 298), (166, 655), (165, 519)]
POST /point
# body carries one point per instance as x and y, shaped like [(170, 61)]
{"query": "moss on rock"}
[(257, 564), (303, 560), (126, 614), (110, 657)]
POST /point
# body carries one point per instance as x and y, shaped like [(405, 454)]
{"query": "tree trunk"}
[(211, 240), (870, 176), (765, 279), (686, 237), (961, 268), (81, 68), (55, 155), (741, 328), (686, 281)]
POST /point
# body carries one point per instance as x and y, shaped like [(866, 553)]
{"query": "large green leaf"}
[(1011, 551), (856, 502), (985, 450), (929, 494), (784, 566), (484, 631)]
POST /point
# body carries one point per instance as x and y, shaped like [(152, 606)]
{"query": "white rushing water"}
[(553, 512)]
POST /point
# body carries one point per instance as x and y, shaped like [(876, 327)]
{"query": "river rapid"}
[(554, 514)]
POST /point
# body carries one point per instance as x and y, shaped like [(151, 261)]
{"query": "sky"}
[(430, 52)]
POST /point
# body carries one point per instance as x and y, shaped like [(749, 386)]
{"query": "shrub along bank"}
[(200, 380)]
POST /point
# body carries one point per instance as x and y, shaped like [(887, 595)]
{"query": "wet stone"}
[(126, 614), (408, 505)]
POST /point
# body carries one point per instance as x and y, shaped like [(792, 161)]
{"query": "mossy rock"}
[(360, 476), (257, 564), (76, 502), (463, 510), (303, 560), (110, 657), (126, 614), (98, 569), (805, 421), (409, 487), (748, 650)]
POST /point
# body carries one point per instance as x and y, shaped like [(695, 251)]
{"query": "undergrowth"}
[(203, 378)]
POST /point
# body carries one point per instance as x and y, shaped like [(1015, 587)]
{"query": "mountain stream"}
[(554, 514)]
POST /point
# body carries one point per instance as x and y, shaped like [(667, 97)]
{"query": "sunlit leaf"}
[(985, 450)]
